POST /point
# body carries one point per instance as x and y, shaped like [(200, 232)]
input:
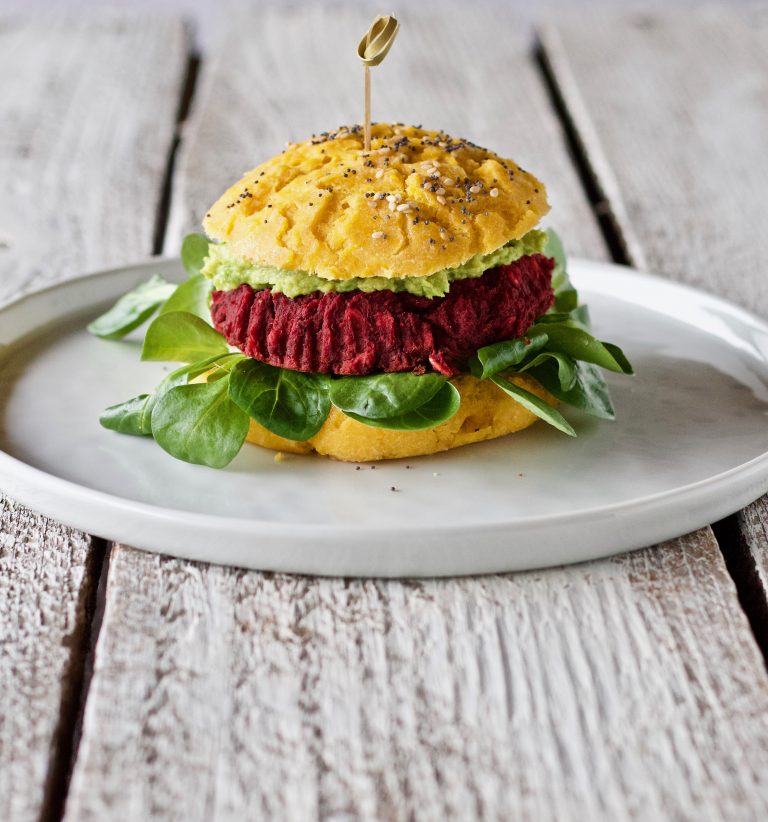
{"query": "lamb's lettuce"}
[(384, 396), (126, 417), (535, 405), (566, 298), (194, 250), (438, 409), (192, 296), (181, 337), (206, 420), (287, 403), (132, 309), (138, 305), (199, 423), (502, 355)]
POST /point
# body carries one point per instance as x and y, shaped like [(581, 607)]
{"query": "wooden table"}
[(135, 686)]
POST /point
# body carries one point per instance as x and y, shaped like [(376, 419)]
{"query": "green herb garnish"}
[(181, 337), (138, 305), (439, 408), (132, 309), (200, 423), (380, 396), (287, 403), (207, 422)]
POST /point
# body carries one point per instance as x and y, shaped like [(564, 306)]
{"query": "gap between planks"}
[(76, 682), (590, 180), (741, 565), (290, 644), (188, 90), (80, 673), (102, 178), (730, 541)]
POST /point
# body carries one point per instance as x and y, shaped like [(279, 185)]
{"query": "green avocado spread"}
[(227, 272)]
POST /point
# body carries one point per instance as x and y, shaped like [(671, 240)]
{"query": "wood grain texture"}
[(629, 688), (87, 126), (44, 587), (88, 110), (680, 150), (672, 112), (611, 690)]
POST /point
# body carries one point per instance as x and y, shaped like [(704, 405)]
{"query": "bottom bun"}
[(486, 412)]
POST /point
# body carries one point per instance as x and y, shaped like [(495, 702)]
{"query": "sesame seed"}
[(379, 196), (494, 192), (385, 150), (379, 173), (404, 207), (443, 144), (392, 205), (474, 189), (447, 181), (441, 199), (377, 235), (440, 191), (391, 198)]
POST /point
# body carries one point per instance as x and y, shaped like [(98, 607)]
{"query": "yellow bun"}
[(485, 413), (316, 206)]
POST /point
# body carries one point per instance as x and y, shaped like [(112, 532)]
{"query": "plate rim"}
[(24, 477)]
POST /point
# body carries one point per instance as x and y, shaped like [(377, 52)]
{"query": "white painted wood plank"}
[(612, 690), (680, 148), (87, 111), (628, 688), (44, 586), (673, 113)]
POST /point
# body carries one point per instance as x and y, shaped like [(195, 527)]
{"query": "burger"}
[(366, 305)]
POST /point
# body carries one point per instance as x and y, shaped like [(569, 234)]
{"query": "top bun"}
[(323, 206)]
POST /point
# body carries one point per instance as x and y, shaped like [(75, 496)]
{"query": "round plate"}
[(689, 446)]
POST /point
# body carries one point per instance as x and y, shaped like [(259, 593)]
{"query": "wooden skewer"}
[(372, 49), (367, 120)]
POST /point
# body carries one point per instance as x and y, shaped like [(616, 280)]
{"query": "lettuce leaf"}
[(207, 422)]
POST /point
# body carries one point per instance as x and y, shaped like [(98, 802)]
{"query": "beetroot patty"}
[(363, 333)]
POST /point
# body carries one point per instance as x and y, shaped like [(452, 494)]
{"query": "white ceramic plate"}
[(690, 445)]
